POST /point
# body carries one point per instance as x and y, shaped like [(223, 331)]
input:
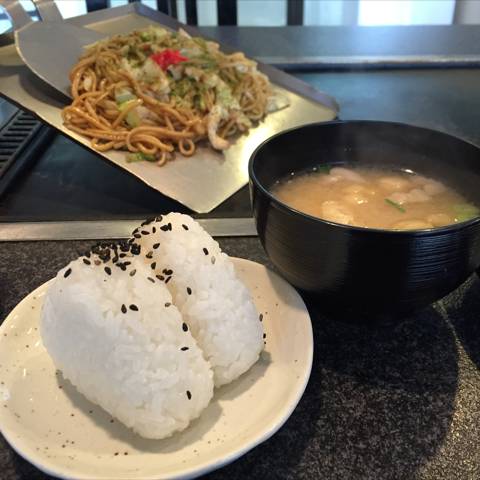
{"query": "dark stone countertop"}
[(401, 403)]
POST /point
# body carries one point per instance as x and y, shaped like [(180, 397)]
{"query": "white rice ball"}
[(214, 303), (121, 342)]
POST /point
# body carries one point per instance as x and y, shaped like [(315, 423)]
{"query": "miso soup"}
[(374, 198)]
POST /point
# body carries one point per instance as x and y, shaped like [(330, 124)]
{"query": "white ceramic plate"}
[(51, 425)]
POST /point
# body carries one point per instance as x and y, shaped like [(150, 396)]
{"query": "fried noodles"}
[(154, 92)]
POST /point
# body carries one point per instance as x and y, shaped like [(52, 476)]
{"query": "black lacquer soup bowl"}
[(360, 269)]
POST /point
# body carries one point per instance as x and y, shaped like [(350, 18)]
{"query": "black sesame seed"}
[(205, 251), (115, 259), (127, 263), (184, 349), (133, 307), (164, 228), (160, 277), (133, 272), (67, 272), (167, 271), (156, 245), (124, 309), (151, 279), (108, 270), (88, 254), (169, 225), (135, 249), (122, 255), (189, 290), (137, 235), (167, 304), (154, 230), (123, 267), (149, 255), (153, 265), (145, 232), (184, 327), (189, 395), (184, 227), (260, 317), (87, 262), (264, 335), (167, 280)]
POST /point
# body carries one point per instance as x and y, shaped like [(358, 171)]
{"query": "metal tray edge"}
[(112, 229)]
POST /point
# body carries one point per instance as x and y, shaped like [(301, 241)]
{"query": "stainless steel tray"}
[(203, 181)]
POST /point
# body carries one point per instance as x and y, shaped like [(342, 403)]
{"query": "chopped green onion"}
[(145, 36), (395, 204), (182, 87), (465, 211), (140, 157), (200, 102), (324, 169)]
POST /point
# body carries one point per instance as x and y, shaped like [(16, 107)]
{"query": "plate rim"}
[(207, 466)]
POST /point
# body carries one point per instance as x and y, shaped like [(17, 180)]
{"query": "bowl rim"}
[(293, 211)]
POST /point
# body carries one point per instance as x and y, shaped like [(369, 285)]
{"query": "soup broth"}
[(374, 198)]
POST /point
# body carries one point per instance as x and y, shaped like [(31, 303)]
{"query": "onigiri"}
[(215, 304), (112, 329)]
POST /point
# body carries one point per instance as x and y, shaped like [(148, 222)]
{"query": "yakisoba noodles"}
[(153, 92)]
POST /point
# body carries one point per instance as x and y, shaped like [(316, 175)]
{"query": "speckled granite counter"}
[(400, 403)]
